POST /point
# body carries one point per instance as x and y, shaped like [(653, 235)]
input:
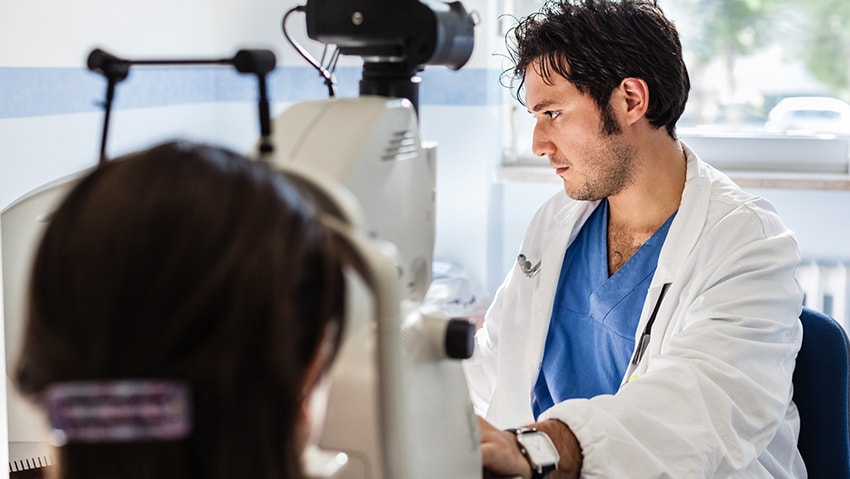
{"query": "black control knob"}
[(460, 336)]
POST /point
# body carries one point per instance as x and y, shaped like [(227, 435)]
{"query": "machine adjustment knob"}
[(460, 336)]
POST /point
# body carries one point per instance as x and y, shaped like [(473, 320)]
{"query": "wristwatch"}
[(538, 449)]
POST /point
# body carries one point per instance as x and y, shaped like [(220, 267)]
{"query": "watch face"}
[(539, 447)]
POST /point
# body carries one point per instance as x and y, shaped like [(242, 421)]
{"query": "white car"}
[(809, 115)]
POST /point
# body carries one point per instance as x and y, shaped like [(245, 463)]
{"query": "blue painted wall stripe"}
[(39, 91)]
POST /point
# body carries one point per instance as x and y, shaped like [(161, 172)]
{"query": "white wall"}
[(45, 39), (38, 146)]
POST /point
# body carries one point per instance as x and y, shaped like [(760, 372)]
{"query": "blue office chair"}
[(822, 395)]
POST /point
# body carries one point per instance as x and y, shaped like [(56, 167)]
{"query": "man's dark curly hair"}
[(595, 44)]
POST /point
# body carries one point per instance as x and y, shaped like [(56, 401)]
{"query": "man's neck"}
[(637, 212), (656, 192)]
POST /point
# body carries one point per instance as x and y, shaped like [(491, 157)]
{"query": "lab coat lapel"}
[(681, 240), (565, 227), (688, 223)]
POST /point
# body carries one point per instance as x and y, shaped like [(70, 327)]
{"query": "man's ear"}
[(633, 96)]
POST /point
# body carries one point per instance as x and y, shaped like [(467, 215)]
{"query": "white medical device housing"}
[(398, 404), (23, 223), (371, 145)]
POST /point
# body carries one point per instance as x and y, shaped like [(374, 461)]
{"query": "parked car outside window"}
[(809, 116)]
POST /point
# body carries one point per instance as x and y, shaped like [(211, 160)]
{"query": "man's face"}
[(569, 131)]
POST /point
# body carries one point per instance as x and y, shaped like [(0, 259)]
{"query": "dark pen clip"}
[(643, 345)]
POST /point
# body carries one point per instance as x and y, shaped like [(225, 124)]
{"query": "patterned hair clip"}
[(118, 411)]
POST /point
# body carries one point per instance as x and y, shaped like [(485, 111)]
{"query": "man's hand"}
[(500, 452)]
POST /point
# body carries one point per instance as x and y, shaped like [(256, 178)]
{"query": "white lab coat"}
[(711, 397)]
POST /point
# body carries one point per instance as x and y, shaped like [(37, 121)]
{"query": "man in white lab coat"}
[(650, 328)]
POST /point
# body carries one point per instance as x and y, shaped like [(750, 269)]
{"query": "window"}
[(770, 84)]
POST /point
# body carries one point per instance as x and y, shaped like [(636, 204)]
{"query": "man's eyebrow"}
[(543, 105)]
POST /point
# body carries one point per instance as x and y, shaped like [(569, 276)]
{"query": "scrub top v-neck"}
[(594, 316)]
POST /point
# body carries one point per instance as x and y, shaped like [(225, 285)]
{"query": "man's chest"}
[(622, 245)]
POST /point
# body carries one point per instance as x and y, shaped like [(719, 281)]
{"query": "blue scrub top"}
[(594, 317)]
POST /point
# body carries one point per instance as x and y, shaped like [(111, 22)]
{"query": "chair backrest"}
[(822, 395)]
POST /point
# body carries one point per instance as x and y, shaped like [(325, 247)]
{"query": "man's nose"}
[(541, 144)]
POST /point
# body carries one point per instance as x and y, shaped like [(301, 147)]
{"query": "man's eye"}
[(553, 114)]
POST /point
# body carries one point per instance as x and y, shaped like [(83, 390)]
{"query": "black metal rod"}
[(266, 147), (258, 62), (107, 108), (223, 61)]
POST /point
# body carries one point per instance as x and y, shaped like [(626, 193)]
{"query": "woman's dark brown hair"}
[(191, 263)]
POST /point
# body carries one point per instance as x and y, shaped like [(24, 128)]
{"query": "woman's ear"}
[(309, 407), (315, 369)]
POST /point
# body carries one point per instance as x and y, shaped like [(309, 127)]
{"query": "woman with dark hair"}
[(184, 302)]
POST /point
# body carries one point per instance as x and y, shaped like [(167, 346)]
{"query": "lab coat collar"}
[(686, 228), (562, 232), (567, 224)]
